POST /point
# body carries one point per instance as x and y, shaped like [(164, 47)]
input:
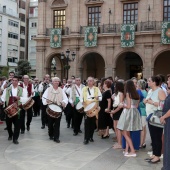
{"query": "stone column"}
[(108, 71), (40, 67), (113, 72), (41, 17)]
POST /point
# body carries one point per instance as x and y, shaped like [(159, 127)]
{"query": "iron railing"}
[(65, 31), (116, 28)]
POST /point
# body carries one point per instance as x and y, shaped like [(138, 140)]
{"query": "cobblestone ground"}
[(36, 152)]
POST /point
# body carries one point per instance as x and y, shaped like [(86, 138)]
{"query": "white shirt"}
[(25, 92), (14, 93), (79, 88), (36, 86), (45, 95), (41, 87), (4, 82), (91, 95)]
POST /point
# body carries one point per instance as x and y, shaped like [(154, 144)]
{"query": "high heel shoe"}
[(143, 146), (105, 137)]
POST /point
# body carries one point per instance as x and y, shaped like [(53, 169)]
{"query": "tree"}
[(5, 70), (23, 67)]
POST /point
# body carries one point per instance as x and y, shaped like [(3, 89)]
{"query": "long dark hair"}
[(131, 90), (119, 87)]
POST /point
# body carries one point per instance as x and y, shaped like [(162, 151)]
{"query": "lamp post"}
[(54, 67), (66, 56), (110, 12)]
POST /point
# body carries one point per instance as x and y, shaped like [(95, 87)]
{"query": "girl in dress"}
[(130, 119)]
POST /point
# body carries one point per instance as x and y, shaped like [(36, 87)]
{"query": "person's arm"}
[(167, 115), (40, 88), (70, 98), (3, 97), (128, 99), (108, 105), (44, 97), (33, 91), (99, 97), (65, 99)]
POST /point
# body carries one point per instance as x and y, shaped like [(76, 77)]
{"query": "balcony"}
[(65, 31), (148, 26)]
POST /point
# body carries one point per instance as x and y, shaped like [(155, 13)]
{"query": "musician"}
[(7, 83), (36, 98), (12, 94), (68, 110), (28, 90), (90, 94), (42, 87), (54, 95), (75, 92)]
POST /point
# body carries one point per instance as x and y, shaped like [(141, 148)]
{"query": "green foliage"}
[(4, 71), (23, 67)]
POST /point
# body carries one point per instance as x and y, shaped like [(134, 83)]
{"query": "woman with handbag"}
[(155, 95), (165, 119)]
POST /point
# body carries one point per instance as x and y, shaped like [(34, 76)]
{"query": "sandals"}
[(117, 146)]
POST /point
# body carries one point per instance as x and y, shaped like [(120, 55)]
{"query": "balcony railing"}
[(65, 31), (116, 28)]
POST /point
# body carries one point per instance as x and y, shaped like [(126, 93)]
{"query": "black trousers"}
[(69, 112), (77, 120), (44, 117), (89, 124), (16, 121), (54, 127), (36, 106), (29, 118), (156, 138)]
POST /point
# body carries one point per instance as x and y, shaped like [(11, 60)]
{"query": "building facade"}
[(9, 34), (32, 33), (108, 58)]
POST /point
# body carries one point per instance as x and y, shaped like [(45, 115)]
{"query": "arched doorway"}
[(93, 65), (55, 66), (161, 64), (128, 65)]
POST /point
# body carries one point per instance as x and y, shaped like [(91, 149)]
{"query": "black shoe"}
[(9, 138), (68, 125), (91, 140), (80, 131), (22, 131), (15, 142), (143, 146), (43, 127), (28, 128), (154, 162), (51, 138), (148, 159), (5, 128), (57, 140), (86, 142), (105, 137), (75, 134)]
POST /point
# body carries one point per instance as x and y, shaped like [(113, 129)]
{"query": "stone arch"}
[(59, 65), (58, 2)]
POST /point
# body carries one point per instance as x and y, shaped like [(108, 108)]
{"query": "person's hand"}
[(63, 104), (112, 112), (17, 98), (120, 105), (145, 101), (162, 120), (107, 110), (97, 98), (48, 101), (72, 105)]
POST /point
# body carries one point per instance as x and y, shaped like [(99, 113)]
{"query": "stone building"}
[(149, 56)]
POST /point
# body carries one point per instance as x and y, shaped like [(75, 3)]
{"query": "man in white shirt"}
[(28, 91), (42, 87), (90, 94), (74, 99), (13, 94), (54, 95)]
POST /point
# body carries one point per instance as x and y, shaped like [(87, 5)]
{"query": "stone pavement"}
[(36, 152)]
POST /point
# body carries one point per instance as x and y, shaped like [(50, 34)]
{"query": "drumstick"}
[(53, 102)]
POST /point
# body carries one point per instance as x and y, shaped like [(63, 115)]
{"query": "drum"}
[(54, 111), (12, 110), (79, 107), (28, 104), (92, 109)]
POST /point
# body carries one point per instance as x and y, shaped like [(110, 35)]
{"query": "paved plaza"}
[(36, 152)]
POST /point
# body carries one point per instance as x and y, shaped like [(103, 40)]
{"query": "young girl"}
[(130, 119)]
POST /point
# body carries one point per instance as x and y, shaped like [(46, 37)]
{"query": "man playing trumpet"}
[(90, 95), (54, 96)]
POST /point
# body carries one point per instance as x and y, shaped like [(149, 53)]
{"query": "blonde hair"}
[(142, 84), (56, 79)]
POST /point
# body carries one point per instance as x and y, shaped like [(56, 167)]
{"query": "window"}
[(59, 18), (32, 49), (0, 57), (22, 42), (0, 18), (94, 16), (12, 35), (12, 47), (21, 4), (0, 32), (13, 23), (32, 36), (22, 30), (166, 14), (12, 60), (130, 13), (33, 25), (33, 62), (33, 11), (22, 55), (22, 17)]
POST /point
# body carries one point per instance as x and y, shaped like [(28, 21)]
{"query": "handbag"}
[(155, 119)]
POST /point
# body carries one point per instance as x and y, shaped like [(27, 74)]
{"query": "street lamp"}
[(54, 67), (68, 59)]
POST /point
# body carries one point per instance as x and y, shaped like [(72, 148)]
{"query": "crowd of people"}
[(124, 106)]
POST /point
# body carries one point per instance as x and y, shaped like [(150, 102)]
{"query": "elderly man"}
[(54, 96), (90, 94), (11, 95), (36, 98), (28, 91), (42, 87)]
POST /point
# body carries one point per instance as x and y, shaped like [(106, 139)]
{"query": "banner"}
[(128, 35), (165, 36), (55, 38), (90, 38)]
